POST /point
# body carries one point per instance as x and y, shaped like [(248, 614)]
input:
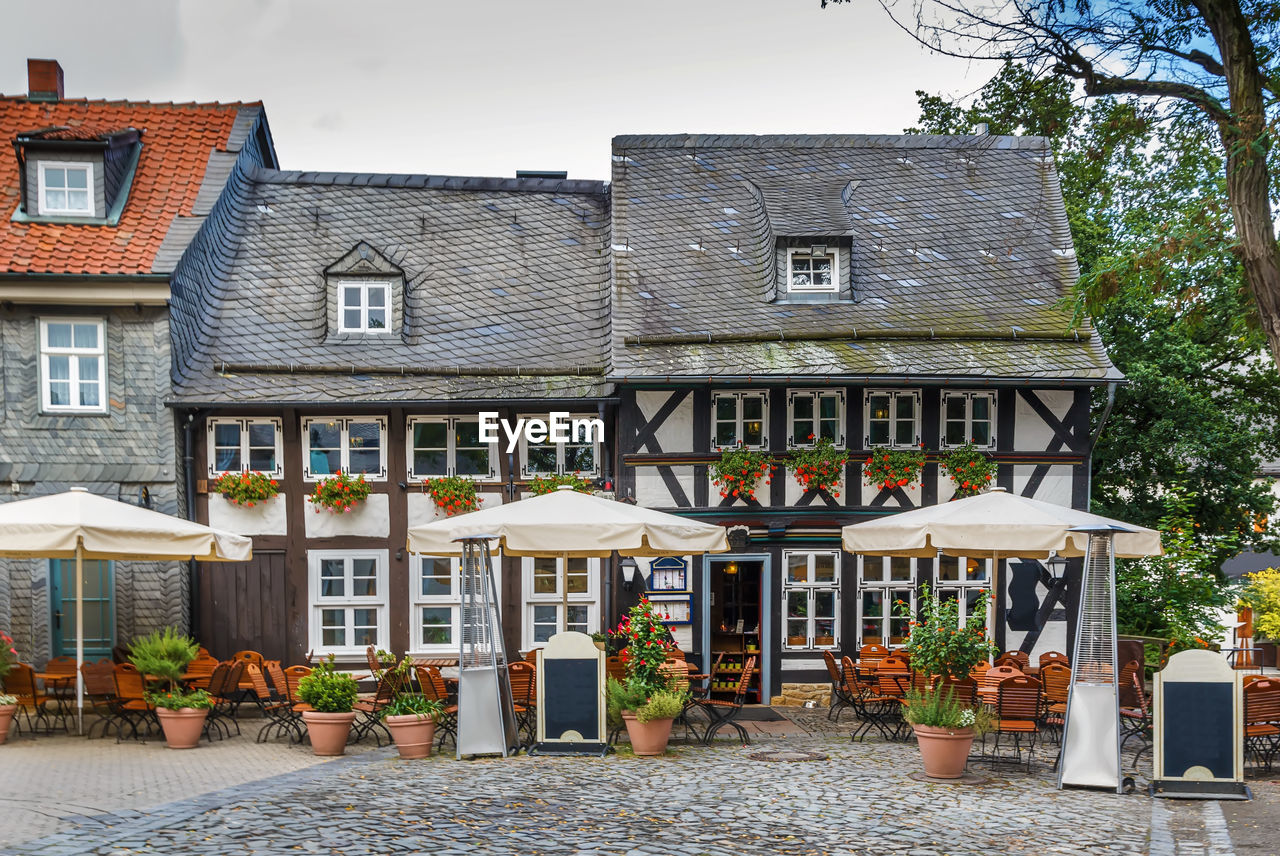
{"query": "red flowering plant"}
[(546, 484), (339, 493), (247, 489), (970, 470), (937, 643), (819, 467), (739, 471), (890, 468), (8, 655), (646, 642), (452, 494)]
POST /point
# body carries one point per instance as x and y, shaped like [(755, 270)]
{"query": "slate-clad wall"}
[(33, 158), (114, 454), (116, 162)]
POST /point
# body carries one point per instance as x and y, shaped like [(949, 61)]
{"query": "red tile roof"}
[(177, 140)]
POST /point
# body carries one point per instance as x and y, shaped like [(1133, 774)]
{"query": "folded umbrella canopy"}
[(568, 524), (80, 525)]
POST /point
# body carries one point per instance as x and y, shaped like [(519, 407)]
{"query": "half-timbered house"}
[(362, 323), (893, 292)]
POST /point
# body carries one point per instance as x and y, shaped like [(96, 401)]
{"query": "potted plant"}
[(331, 696), (820, 467), (970, 471), (165, 654), (411, 719), (647, 642), (940, 647), (340, 493), (452, 494), (891, 468), (540, 485), (8, 703), (944, 729), (246, 489), (739, 471)]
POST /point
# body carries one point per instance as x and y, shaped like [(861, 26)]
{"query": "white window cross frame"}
[(899, 427), (967, 420), (811, 589), (814, 398), (527, 468), (75, 358), (245, 445), (365, 307), (738, 420), (343, 425), (802, 262), (534, 600), (348, 602), (451, 424), (48, 186)]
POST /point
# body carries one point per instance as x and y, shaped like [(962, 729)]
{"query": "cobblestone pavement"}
[(697, 800)]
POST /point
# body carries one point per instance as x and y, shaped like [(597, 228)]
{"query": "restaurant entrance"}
[(737, 623)]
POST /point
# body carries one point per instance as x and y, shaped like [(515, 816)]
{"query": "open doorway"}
[(736, 624)]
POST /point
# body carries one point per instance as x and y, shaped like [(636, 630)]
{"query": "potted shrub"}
[(887, 469), (970, 471), (411, 719), (165, 654), (739, 470), (940, 647), (540, 485), (944, 729), (452, 494), (647, 642), (8, 703), (340, 493), (331, 695), (246, 489), (820, 467)]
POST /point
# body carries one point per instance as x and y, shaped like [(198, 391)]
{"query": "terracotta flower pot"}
[(328, 731), (182, 728), (413, 734), (6, 717), (647, 738), (944, 751)]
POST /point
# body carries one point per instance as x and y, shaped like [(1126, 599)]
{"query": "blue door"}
[(99, 612)]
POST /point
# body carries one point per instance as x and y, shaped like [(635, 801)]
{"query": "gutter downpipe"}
[(611, 568), (188, 475), (1093, 441)]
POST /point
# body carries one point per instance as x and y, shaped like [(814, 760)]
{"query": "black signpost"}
[(1198, 742), (571, 701)]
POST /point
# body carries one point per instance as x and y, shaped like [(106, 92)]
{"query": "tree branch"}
[(1159, 89)]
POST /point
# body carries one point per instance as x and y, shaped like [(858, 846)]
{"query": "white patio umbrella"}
[(994, 525), (568, 524), (80, 525)]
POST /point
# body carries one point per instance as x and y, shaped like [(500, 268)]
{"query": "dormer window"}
[(365, 306), (66, 188), (814, 269)]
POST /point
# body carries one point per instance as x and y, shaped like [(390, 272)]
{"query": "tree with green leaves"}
[(1216, 60)]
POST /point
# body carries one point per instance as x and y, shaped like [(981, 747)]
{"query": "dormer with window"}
[(365, 295), (814, 269), (76, 173)]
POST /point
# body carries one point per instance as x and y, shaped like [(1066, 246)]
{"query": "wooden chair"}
[(979, 671), (61, 666), (21, 682), (1126, 684), (991, 681), (274, 707), (199, 671), (894, 664), (1245, 680), (224, 691), (100, 695), (433, 686), (839, 693), (721, 713), (246, 686), (1262, 720), (369, 710), (1054, 657), (1055, 678), (1018, 659), (872, 653), (615, 668), (963, 689), (1135, 718), (1018, 715), (131, 690), (290, 719), (522, 675)]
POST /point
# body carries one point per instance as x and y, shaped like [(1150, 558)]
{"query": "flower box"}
[(369, 519), (264, 518), (422, 509)]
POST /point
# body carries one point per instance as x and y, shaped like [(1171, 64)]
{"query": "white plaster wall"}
[(676, 433), (652, 491), (422, 508), (265, 518), (1055, 488), (762, 492), (1030, 433), (370, 519), (795, 491)]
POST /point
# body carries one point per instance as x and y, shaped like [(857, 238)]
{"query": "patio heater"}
[(486, 715), (1091, 731)]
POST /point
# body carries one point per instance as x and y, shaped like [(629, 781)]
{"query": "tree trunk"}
[(1247, 144)]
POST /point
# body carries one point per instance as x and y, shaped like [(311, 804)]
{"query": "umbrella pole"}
[(564, 589), (79, 637), (991, 601)]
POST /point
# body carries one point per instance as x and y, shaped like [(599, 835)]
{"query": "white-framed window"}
[(813, 269), (364, 306), (348, 594), (815, 414), (435, 603), (356, 444), (66, 187), (73, 365), (246, 445), (962, 580), (892, 418), (740, 418), (543, 583), (882, 582), (449, 446), (969, 417), (580, 453), (811, 594)]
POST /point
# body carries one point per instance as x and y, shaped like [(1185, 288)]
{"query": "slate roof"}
[(960, 249), (182, 145), (506, 291)]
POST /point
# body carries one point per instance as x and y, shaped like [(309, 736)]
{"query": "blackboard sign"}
[(1198, 722), (570, 703)]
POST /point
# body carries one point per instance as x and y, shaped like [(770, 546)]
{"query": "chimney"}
[(44, 80), (980, 129)]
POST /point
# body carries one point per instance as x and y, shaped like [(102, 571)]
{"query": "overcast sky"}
[(485, 87)]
